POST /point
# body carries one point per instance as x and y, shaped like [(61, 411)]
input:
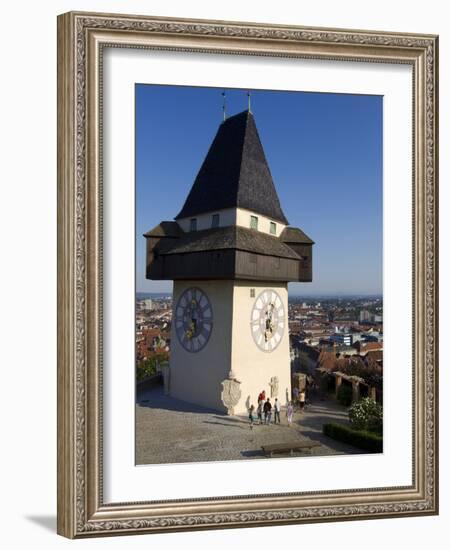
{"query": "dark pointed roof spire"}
[(235, 173)]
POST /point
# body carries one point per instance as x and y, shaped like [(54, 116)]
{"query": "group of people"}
[(265, 408)]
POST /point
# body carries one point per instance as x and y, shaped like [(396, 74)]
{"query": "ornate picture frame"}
[(82, 38)]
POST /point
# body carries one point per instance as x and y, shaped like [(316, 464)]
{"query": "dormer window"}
[(193, 225), (215, 220), (253, 222), (273, 228)]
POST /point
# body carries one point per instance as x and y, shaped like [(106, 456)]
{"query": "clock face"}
[(193, 319), (268, 320)]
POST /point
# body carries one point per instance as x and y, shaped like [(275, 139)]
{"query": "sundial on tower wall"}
[(231, 253)]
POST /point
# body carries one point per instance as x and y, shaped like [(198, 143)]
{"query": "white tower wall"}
[(253, 367), (197, 377)]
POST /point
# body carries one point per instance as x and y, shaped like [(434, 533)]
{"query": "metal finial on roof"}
[(224, 107), (249, 102)]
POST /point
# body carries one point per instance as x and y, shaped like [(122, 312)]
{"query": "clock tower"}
[(231, 253)]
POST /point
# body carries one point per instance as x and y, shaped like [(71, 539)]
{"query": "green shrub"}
[(145, 369), (151, 365), (366, 414), (344, 395), (368, 441)]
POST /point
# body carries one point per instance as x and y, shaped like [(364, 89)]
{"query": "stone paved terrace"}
[(172, 431)]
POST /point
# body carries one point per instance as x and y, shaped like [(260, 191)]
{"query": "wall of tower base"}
[(197, 377), (255, 368)]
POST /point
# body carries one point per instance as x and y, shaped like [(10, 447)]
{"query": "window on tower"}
[(193, 224), (215, 220), (253, 222), (273, 228)]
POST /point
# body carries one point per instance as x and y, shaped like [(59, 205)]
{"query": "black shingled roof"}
[(295, 235), (165, 229), (231, 237), (234, 173)]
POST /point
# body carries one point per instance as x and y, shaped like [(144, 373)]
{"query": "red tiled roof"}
[(376, 354)]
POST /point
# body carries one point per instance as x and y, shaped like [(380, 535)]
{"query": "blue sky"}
[(325, 155)]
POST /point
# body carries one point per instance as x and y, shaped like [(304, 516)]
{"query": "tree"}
[(344, 395), (366, 414)]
